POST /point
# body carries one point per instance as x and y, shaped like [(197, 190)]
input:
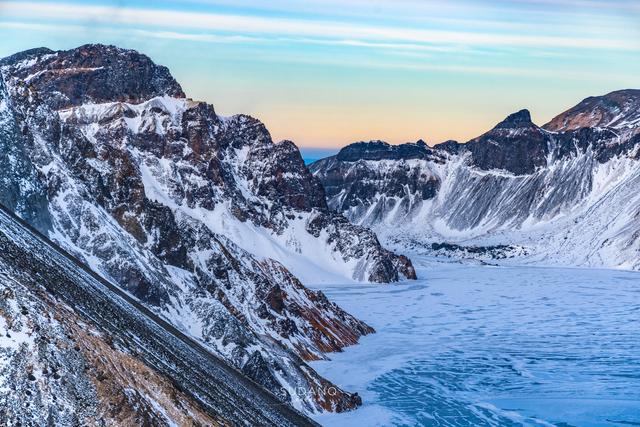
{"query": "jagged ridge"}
[(167, 199), (563, 194)]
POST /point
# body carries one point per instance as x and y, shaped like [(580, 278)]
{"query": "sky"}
[(325, 73)]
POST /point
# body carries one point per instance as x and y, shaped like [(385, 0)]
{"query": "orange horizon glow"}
[(326, 73)]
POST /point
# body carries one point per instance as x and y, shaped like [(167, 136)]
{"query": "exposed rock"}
[(182, 208), (618, 110), (351, 165), (75, 350), (92, 73), (378, 171), (481, 252), (20, 186), (515, 145), (379, 150), (450, 146)]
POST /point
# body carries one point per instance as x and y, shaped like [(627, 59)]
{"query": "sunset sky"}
[(325, 73)]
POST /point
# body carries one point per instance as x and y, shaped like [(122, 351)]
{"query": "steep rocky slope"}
[(194, 214), (120, 109), (75, 350), (562, 194), (618, 110)]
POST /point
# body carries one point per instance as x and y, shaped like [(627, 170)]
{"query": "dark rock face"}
[(603, 143), (165, 198), (20, 187), (482, 252), (349, 180), (271, 170), (617, 109), (405, 267), (92, 73), (450, 146), (515, 145), (379, 150), (25, 55), (518, 120), (378, 266)]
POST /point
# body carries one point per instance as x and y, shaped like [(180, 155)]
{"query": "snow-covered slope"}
[(565, 197), (194, 214), (75, 350)]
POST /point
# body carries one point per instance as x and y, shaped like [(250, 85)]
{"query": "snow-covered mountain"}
[(76, 350), (117, 108), (194, 214), (565, 193)]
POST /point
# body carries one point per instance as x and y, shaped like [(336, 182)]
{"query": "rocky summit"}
[(562, 194), (202, 218), (617, 110)]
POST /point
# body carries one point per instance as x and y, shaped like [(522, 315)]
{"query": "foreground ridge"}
[(77, 294)]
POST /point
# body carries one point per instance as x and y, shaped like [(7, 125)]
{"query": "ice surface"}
[(480, 345)]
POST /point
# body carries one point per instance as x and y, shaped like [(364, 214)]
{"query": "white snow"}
[(575, 212), (165, 181), (307, 257)]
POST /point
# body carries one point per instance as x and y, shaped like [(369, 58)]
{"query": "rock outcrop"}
[(618, 110)]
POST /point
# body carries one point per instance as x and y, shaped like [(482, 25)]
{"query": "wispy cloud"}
[(377, 45), (208, 38), (247, 25), (337, 63), (530, 73), (519, 15), (31, 26), (368, 7), (405, 50)]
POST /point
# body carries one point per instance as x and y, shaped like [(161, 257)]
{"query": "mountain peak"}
[(92, 73), (450, 146), (515, 144), (26, 54), (519, 119), (619, 110)]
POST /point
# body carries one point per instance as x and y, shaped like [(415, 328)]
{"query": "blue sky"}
[(327, 73)]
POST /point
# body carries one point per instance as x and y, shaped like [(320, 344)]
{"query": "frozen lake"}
[(479, 345)]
